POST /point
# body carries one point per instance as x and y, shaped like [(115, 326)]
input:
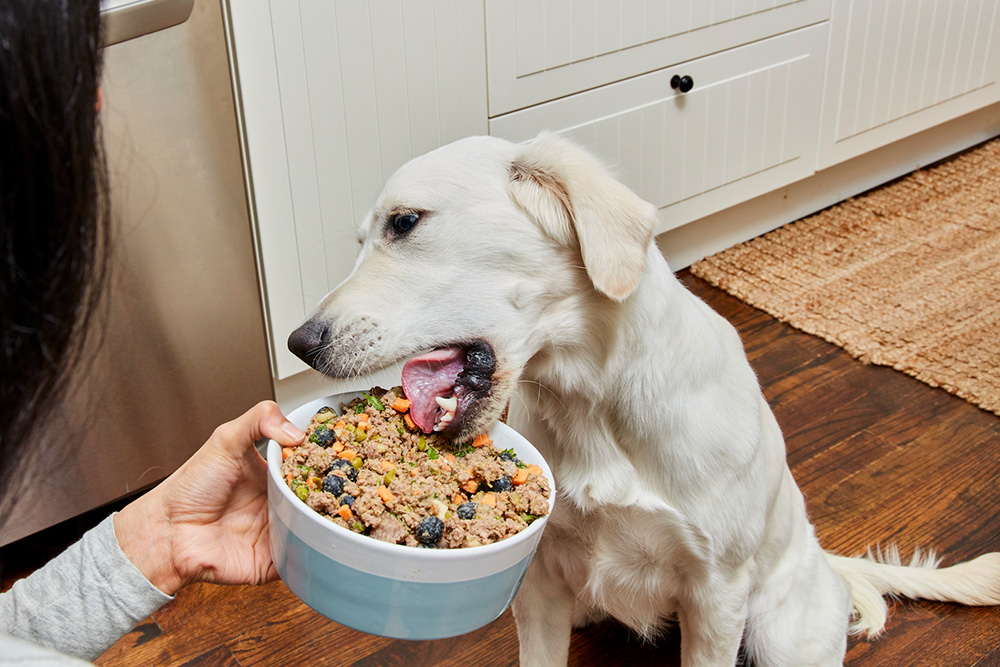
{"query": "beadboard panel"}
[(540, 50), (747, 126), (335, 96), (897, 67)]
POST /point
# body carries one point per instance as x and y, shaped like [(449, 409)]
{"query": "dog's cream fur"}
[(675, 500)]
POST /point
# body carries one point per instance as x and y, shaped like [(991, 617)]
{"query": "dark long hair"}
[(53, 208)]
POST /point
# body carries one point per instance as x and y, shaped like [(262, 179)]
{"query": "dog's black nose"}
[(308, 341)]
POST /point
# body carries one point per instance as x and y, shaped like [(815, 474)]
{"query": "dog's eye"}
[(404, 222)]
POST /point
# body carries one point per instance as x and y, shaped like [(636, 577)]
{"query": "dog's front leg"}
[(712, 620), (543, 611)]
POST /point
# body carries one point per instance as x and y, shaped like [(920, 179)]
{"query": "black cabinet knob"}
[(681, 83)]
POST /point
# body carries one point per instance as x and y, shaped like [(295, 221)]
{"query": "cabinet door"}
[(745, 128), (335, 96), (540, 50), (897, 67)]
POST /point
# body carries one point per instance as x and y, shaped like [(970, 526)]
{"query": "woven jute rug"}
[(906, 276)]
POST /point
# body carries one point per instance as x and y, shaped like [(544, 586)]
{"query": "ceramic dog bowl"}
[(389, 589)]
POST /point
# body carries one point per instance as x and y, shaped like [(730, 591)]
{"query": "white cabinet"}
[(336, 94), (746, 127), (539, 50), (897, 67)]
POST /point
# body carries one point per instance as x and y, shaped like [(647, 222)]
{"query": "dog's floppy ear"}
[(572, 195)]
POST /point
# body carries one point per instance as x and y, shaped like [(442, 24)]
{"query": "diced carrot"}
[(413, 472), (285, 452), (385, 494), (445, 467), (363, 426), (387, 465), (363, 417), (408, 420), (345, 512), (458, 499), (470, 486), (521, 477), (489, 499), (450, 457), (401, 405), (534, 469), (338, 447), (480, 440), (347, 454), (340, 424)]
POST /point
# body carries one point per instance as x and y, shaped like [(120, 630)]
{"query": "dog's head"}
[(475, 258)]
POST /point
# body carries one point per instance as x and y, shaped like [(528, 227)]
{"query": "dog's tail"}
[(974, 582)]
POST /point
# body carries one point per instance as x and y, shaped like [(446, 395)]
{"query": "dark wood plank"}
[(880, 457), (218, 657)]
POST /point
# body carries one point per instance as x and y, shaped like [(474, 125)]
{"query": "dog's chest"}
[(625, 561), (598, 461)]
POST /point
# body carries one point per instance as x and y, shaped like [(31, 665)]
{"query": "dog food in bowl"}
[(368, 469)]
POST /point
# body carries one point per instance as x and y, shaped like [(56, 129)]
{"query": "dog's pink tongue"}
[(428, 376)]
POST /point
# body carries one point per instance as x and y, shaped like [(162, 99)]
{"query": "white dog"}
[(525, 275)]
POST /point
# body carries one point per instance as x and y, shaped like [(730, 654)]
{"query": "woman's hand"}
[(208, 520)]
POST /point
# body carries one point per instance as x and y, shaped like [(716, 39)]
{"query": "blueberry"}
[(467, 511), (345, 467), (333, 484), (502, 484), (430, 530), (323, 437), (509, 456), (347, 499)]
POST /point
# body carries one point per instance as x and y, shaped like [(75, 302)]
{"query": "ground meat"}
[(393, 477)]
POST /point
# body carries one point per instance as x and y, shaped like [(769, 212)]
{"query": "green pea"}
[(302, 492), (357, 462), (388, 477)]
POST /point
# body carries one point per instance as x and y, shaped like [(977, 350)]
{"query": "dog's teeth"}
[(449, 404), (444, 421)]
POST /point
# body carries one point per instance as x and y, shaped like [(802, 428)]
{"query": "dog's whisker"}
[(541, 387)]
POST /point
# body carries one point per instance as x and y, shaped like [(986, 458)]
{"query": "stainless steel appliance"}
[(183, 346)]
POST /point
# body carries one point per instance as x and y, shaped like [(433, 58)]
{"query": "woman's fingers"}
[(264, 420)]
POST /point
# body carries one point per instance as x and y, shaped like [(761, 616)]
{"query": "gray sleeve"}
[(21, 653), (83, 600)]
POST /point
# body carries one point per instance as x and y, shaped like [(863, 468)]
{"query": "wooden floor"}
[(880, 457)]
